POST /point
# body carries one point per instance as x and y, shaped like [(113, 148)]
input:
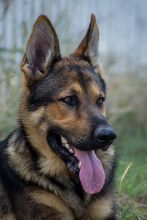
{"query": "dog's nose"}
[(105, 136)]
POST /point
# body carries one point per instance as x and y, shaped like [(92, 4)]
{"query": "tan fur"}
[(74, 87), (8, 217), (100, 209), (21, 160), (53, 201)]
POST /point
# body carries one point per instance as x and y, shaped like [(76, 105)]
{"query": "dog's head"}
[(64, 101)]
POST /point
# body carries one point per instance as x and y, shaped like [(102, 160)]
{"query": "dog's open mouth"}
[(82, 163)]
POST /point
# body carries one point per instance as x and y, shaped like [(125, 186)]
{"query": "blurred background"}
[(123, 52)]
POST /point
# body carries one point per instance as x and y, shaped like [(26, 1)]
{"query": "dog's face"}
[(70, 93)]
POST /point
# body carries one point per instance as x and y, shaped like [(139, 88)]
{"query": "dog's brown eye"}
[(100, 102), (70, 100)]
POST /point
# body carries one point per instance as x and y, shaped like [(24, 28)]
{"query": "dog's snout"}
[(105, 135)]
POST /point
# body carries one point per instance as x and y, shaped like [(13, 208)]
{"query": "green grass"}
[(8, 116), (132, 175), (132, 191)]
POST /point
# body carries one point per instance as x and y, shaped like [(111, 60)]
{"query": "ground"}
[(132, 176)]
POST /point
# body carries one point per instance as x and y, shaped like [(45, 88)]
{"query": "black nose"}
[(105, 136)]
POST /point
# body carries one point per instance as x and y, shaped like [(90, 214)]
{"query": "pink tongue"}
[(92, 175)]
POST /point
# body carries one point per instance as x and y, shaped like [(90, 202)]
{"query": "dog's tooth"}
[(64, 141), (66, 145), (71, 150), (71, 147), (79, 164)]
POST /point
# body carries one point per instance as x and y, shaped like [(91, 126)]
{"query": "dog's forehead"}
[(73, 71), (65, 76), (74, 67)]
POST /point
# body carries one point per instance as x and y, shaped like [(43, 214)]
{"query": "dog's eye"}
[(100, 102), (70, 100)]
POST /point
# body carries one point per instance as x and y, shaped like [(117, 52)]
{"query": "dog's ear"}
[(89, 45), (41, 49)]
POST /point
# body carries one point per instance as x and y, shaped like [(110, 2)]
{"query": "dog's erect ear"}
[(89, 45), (41, 49)]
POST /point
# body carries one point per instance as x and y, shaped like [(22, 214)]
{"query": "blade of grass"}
[(124, 174)]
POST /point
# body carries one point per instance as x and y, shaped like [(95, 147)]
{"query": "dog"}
[(59, 163)]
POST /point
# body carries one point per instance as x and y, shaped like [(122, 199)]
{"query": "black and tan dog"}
[(59, 163)]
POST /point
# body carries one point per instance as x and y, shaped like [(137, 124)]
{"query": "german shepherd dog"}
[(59, 163)]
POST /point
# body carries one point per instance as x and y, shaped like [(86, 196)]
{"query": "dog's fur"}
[(35, 183)]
